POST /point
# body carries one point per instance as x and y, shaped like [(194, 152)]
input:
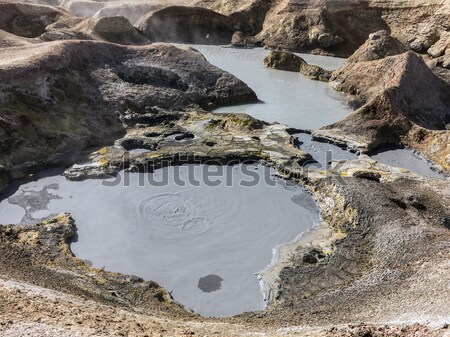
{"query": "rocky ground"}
[(378, 263)]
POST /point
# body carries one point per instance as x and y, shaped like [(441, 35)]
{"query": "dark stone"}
[(210, 283), (374, 176), (313, 256)]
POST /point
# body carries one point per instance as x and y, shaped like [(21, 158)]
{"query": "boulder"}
[(187, 25), (439, 48), (327, 26), (446, 59), (11, 40), (241, 40), (291, 62)]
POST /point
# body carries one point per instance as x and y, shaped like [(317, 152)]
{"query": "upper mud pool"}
[(286, 97), (202, 232)]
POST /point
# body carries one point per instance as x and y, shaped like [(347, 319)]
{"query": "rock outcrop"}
[(187, 25), (333, 27), (291, 62), (397, 108), (49, 24), (60, 97), (379, 45), (115, 29), (29, 20), (338, 27), (11, 40)]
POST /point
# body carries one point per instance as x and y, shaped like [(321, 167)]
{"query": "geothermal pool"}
[(204, 241), (298, 102), (288, 98), (409, 160), (322, 153)]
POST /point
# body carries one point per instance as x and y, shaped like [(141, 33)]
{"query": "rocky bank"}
[(61, 97), (396, 108)]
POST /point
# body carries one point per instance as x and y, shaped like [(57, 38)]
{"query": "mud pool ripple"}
[(204, 243)]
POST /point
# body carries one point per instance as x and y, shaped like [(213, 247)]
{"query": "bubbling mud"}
[(202, 239)]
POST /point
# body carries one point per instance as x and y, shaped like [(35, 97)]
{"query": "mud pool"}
[(323, 153), (205, 241), (288, 98), (409, 160)]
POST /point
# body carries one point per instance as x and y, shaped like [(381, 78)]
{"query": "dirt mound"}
[(187, 25)]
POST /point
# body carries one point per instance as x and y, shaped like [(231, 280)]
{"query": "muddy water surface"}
[(204, 241), (288, 98)]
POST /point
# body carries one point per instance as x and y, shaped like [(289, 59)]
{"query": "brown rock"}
[(290, 62), (439, 48), (66, 95), (28, 20), (115, 29), (241, 40), (397, 104), (187, 25), (379, 45)]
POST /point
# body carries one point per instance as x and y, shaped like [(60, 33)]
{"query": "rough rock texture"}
[(340, 27), (29, 20), (46, 248), (378, 257), (290, 62), (188, 25), (248, 16), (11, 40), (115, 29), (50, 24), (396, 107), (64, 96), (379, 45), (241, 40), (200, 136), (323, 26), (336, 26)]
